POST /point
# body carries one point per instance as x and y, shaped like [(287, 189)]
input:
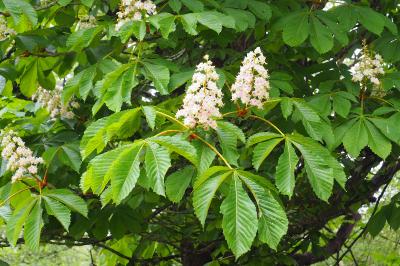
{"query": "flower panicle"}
[(203, 98), (134, 10), (252, 85), (20, 159)]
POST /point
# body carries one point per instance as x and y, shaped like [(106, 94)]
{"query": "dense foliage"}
[(194, 132)]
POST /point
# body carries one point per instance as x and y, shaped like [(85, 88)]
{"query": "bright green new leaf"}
[(262, 150)]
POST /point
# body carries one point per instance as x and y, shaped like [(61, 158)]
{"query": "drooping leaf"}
[(33, 226), (69, 199), (58, 210), (273, 223), (157, 162), (262, 150), (205, 188), (125, 171), (284, 176), (177, 183), (239, 222)]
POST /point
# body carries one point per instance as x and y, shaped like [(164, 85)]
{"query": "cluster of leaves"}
[(125, 160)]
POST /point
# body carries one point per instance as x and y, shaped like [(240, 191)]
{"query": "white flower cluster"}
[(366, 68), (51, 100), (87, 21), (5, 32), (251, 85), (20, 159), (134, 10), (203, 98)]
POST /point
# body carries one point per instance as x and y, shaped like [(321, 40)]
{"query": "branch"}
[(333, 245)]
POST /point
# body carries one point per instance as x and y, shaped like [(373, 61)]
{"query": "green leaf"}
[(125, 171), (69, 199), (239, 220), (157, 162), (178, 182), (97, 175), (159, 74), (273, 223), (17, 220), (117, 87), (284, 176), (29, 79), (58, 210), (71, 156), (321, 38), (122, 125), (33, 226), (378, 143), (82, 38), (318, 164), (211, 20), (150, 114), (228, 134), (179, 79), (82, 83), (260, 137), (341, 105), (189, 23), (205, 188), (175, 5), (179, 145), (286, 107), (262, 150), (205, 157), (193, 5), (376, 223), (370, 19), (260, 9), (17, 8), (296, 28), (356, 138), (167, 25)]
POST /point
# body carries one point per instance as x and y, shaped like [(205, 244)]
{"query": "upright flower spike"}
[(134, 10), (203, 98), (87, 21), (5, 32), (51, 101), (367, 68), (20, 159), (252, 86)]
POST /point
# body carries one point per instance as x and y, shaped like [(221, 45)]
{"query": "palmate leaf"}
[(284, 176), (205, 188), (239, 222), (157, 162), (273, 223)]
